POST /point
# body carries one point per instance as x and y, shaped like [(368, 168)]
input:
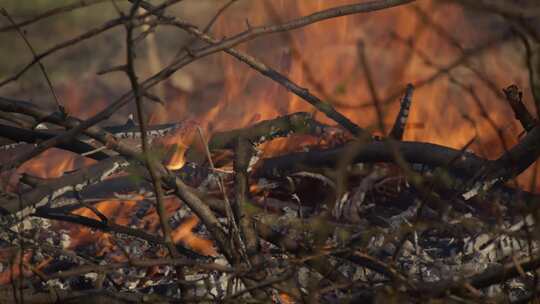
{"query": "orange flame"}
[(177, 144), (177, 161), (184, 234)]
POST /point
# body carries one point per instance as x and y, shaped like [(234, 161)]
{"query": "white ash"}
[(65, 240), (91, 276), (479, 187), (179, 215), (57, 283), (398, 220)]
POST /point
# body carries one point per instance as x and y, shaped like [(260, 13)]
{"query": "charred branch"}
[(243, 154), (427, 154), (514, 97), (20, 135), (40, 196), (493, 275), (401, 120), (301, 123), (510, 164)]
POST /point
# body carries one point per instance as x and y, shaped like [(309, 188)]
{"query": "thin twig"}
[(234, 231), (371, 85), (52, 12), (149, 159), (79, 38), (34, 54)]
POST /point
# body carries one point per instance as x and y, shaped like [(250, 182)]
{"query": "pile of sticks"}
[(353, 217)]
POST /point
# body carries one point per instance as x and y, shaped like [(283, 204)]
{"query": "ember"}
[(365, 152)]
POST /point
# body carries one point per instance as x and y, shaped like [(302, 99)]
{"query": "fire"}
[(285, 298), (177, 160), (50, 164), (75, 98), (121, 213), (177, 144), (117, 211), (185, 235), (324, 57)]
